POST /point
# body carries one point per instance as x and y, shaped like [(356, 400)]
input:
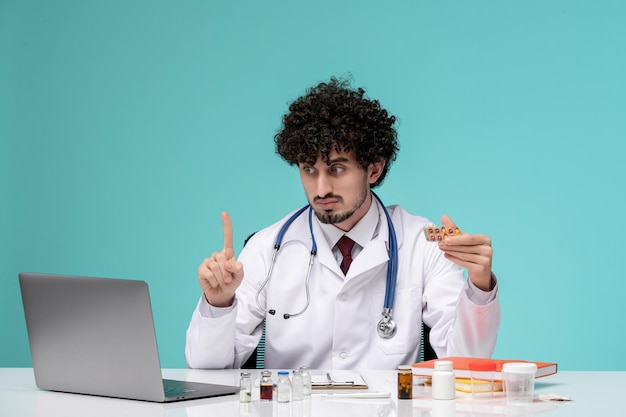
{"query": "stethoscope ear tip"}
[(272, 312)]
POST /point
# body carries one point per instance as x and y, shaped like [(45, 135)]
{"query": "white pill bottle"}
[(443, 381)]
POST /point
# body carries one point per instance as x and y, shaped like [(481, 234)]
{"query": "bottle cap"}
[(443, 365), (283, 373), (245, 374), (520, 367), (404, 368)]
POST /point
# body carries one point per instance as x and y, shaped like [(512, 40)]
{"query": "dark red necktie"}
[(345, 245)]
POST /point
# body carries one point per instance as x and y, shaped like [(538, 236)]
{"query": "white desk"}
[(593, 394)]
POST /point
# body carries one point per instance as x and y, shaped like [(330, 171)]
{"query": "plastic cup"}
[(519, 382), (482, 375)]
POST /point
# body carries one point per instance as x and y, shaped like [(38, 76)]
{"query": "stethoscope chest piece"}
[(386, 326)]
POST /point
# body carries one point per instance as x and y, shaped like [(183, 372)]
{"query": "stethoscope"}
[(386, 327)]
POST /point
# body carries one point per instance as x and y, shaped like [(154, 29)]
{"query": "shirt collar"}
[(362, 232)]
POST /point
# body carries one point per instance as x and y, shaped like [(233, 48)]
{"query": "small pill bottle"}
[(443, 381), (405, 382), (245, 388), (267, 386), (283, 387)]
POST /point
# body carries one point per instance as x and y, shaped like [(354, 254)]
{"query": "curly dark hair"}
[(333, 116)]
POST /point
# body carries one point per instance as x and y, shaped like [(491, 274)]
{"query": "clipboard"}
[(338, 380)]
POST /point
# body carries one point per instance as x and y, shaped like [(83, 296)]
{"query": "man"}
[(325, 313)]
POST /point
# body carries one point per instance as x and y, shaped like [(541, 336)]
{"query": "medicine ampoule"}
[(297, 386), (306, 381), (245, 388), (283, 387), (267, 386)]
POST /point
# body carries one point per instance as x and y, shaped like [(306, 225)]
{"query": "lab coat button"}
[(343, 356), (342, 296)]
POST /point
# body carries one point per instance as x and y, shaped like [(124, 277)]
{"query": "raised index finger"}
[(227, 225)]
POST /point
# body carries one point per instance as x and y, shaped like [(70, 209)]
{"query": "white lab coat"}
[(338, 330)]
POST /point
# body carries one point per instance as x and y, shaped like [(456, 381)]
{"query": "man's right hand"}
[(221, 274)]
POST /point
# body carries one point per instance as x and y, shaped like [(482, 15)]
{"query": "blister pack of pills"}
[(439, 234)]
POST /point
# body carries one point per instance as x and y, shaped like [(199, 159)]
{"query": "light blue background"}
[(127, 126)]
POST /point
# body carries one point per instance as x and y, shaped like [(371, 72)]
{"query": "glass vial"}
[(306, 381), (283, 387), (245, 388), (443, 381), (297, 386), (267, 386), (405, 382)]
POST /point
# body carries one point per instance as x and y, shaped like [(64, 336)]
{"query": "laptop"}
[(96, 336)]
